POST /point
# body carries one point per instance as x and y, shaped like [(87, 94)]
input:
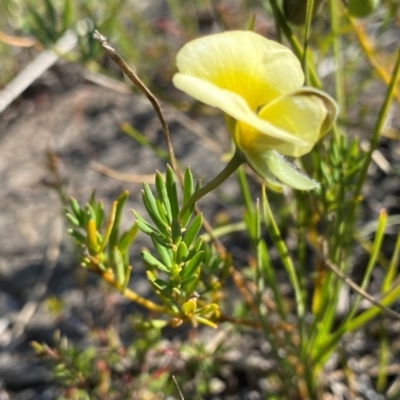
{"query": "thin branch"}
[(121, 176), (109, 277), (336, 270), (102, 40), (178, 388)]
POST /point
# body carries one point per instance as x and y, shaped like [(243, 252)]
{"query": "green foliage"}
[(109, 370), (73, 367), (102, 247), (188, 270), (176, 275)]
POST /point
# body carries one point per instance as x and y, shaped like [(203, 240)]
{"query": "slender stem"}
[(337, 57), (276, 20), (236, 161), (359, 289), (373, 144), (245, 190), (380, 233), (393, 267), (261, 309), (380, 123), (367, 315), (368, 50), (356, 323), (225, 230), (287, 263), (309, 15), (296, 46)]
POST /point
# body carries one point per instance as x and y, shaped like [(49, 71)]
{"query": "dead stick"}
[(336, 270), (102, 40)]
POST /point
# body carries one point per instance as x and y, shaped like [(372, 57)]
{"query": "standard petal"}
[(271, 162), (301, 114), (234, 105), (244, 62)]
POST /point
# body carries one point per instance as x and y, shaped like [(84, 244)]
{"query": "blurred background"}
[(72, 123)]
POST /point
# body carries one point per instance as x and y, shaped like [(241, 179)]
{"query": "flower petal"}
[(331, 106), (271, 162), (255, 68), (302, 114), (234, 105)]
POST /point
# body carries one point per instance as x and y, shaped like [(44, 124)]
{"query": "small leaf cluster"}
[(340, 169), (175, 273), (105, 370), (104, 249), (72, 366), (108, 369), (47, 22)]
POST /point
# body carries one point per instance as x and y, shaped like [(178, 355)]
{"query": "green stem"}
[(337, 56), (236, 161), (380, 233), (294, 43), (309, 15), (276, 20), (224, 230), (288, 264), (356, 323), (244, 188), (263, 267), (383, 112), (379, 125)]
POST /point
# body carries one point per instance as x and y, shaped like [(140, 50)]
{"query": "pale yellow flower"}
[(258, 84)]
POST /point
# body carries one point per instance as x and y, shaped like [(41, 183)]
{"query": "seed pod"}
[(361, 8), (295, 10)]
